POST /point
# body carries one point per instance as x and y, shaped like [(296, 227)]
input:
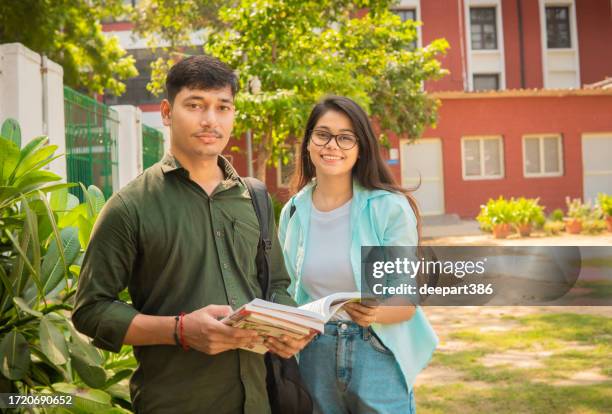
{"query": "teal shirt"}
[(378, 218)]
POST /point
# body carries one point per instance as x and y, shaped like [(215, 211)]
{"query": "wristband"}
[(181, 330)]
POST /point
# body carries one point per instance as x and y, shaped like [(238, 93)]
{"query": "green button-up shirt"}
[(178, 249)]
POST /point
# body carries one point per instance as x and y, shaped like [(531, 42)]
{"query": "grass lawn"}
[(540, 363)]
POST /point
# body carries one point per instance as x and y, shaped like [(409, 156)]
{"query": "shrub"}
[(556, 215), (527, 211), (498, 211), (43, 231), (578, 210), (522, 211), (553, 227), (593, 226), (605, 204)]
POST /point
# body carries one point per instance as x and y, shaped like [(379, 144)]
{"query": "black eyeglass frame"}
[(335, 137)]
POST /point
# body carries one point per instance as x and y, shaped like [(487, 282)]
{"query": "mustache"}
[(214, 132)]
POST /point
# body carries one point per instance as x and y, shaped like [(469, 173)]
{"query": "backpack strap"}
[(262, 206)]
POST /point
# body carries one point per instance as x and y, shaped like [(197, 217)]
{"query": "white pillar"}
[(129, 143), (53, 113), (21, 89)]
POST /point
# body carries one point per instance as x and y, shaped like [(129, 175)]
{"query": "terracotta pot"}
[(609, 221), (501, 231), (524, 229), (573, 226)]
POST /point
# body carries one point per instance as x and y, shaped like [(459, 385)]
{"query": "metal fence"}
[(152, 146), (91, 142)]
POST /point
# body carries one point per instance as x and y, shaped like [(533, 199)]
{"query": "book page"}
[(329, 305), (263, 305)]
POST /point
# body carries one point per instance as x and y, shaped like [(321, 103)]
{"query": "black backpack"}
[(286, 391)]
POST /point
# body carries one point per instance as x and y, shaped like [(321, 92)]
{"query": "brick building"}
[(526, 109)]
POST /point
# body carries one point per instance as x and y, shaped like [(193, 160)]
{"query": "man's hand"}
[(203, 331), (285, 346), (361, 314)]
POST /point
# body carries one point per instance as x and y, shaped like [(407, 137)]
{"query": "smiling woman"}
[(368, 358)]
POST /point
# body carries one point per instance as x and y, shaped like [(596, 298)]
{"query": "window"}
[(542, 156), (483, 28), (488, 82), (406, 14), (558, 28), (482, 158)]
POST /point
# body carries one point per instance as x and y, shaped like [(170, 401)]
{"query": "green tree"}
[(298, 51), (69, 33)]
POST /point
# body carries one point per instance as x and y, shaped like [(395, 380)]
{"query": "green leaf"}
[(11, 131), (121, 391), (9, 157), (121, 375), (59, 201), (83, 348), (85, 227), (31, 222), (40, 156), (8, 288), (26, 152), (85, 400), (89, 202), (97, 198), (53, 342), (7, 192), (39, 375), (14, 356), (35, 179), (23, 260), (24, 307), (55, 229), (73, 201), (72, 217), (91, 374), (53, 268)]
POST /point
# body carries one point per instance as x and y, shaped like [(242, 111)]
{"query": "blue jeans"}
[(348, 370)]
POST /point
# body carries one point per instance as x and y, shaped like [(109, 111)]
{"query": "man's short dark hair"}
[(199, 72)]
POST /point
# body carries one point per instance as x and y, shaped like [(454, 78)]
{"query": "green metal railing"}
[(91, 142), (152, 146)]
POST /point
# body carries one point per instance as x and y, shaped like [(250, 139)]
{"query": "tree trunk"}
[(263, 155)]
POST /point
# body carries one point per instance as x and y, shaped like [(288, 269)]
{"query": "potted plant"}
[(527, 213), (577, 212), (605, 204), (499, 215)]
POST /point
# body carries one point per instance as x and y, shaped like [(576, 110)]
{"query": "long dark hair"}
[(370, 170)]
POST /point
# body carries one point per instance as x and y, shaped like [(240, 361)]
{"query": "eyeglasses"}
[(344, 141)]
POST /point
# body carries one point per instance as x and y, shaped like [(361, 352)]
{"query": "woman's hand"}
[(361, 314), (286, 347)]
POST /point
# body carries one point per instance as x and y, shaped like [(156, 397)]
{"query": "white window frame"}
[(467, 5), (573, 37), (542, 173), (482, 176)]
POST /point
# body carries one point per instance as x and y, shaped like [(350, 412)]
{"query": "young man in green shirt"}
[(182, 237)]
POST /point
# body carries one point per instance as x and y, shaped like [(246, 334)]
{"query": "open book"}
[(274, 319)]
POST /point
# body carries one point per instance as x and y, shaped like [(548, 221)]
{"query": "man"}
[(183, 238)]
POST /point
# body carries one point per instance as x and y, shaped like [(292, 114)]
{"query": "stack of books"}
[(273, 319)]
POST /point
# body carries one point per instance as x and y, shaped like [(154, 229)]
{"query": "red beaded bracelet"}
[(181, 336)]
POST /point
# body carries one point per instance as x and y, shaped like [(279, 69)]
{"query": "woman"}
[(368, 358)]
